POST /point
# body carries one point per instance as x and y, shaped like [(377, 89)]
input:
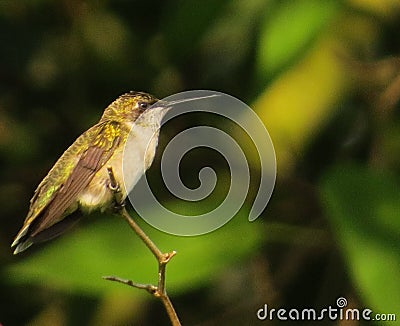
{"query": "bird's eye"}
[(143, 105)]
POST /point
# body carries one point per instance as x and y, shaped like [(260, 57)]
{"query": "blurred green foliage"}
[(288, 30), (364, 207), (322, 75), (87, 248)]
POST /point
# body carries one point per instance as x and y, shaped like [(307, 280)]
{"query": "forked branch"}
[(158, 291)]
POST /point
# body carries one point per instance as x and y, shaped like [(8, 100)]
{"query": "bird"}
[(79, 182)]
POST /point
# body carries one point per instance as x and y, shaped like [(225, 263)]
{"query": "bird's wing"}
[(58, 198)]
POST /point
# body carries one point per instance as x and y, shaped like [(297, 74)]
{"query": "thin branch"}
[(148, 287), (158, 291)]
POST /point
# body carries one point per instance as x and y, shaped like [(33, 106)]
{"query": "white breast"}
[(138, 154)]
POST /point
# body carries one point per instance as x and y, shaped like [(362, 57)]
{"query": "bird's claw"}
[(113, 185)]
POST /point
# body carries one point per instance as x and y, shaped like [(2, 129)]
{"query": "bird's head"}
[(142, 108), (129, 106)]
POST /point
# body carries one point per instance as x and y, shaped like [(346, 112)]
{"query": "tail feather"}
[(25, 239), (23, 245)]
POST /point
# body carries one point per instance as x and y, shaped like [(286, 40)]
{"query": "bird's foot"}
[(119, 202), (118, 206)]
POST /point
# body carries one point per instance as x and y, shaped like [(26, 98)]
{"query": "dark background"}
[(323, 76)]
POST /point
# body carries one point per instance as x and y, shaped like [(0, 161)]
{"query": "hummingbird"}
[(79, 182)]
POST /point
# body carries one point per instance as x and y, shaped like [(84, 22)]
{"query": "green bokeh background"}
[(324, 77)]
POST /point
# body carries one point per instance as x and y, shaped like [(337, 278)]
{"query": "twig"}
[(158, 291)]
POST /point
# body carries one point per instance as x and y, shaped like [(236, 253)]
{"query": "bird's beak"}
[(167, 105)]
